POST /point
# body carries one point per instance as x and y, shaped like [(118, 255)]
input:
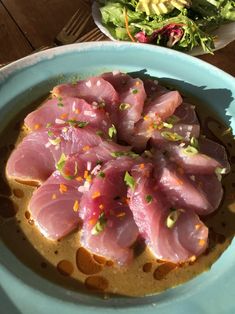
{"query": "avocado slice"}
[(159, 7)]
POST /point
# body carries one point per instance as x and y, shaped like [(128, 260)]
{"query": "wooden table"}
[(26, 25)]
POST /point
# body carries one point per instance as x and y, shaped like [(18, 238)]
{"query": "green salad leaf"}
[(181, 25)]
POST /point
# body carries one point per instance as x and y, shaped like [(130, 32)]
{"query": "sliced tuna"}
[(131, 98), (67, 109), (95, 90), (36, 156), (55, 206), (178, 240), (109, 228), (154, 115), (216, 151), (188, 191)]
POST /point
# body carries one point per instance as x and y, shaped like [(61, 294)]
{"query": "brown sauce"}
[(86, 263), (65, 268), (66, 263), (163, 270), (97, 283)]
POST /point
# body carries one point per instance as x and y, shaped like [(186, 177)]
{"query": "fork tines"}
[(94, 35), (75, 26)]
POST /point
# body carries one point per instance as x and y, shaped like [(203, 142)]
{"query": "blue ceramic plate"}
[(24, 81)]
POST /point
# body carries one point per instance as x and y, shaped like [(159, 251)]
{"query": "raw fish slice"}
[(216, 151), (106, 202), (188, 191), (185, 240), (92, 160), (31, 160), (104, 152), (54, 206), (184, 122), (163, 106), (73, 109), (187, 124), (95, 90), (36, 156), (207, 160), (132, 97), (197, 163), (211, 187), (153, 89)]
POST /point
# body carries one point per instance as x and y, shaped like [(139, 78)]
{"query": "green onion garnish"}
[(148, 198), (219, 171), (194, 142), (99, 132), (128, 154), (55, 142), (50, 133), (172, 119), (129, 180), (100, 224), (190, 151), (112, 131), (101, 174), (167, 125), (124, 106), (172, 218), (75, 123), (170, 136)]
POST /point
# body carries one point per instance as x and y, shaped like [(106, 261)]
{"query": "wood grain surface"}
[(26, 25), (13, 43)]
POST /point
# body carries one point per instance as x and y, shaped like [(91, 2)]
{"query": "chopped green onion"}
[(128, 154), (172, 119), (134, 91), (148, 198), (124, 106), (75, 123), (219, 171), (170, 136), (155, 125), (48, 125), (60, 166), (61, 162), (112, 131), (60, 104), (194, 142), (167, 125), (101, 174), (129, 180), (56, 141), (99, 132), (100, 224), (172, 218), (190, 151), (101, 104), (50, 133)]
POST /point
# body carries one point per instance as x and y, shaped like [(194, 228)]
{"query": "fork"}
[(94, 35), (75, 26)]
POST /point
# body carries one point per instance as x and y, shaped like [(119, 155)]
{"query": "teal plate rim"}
[(23, 290)]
